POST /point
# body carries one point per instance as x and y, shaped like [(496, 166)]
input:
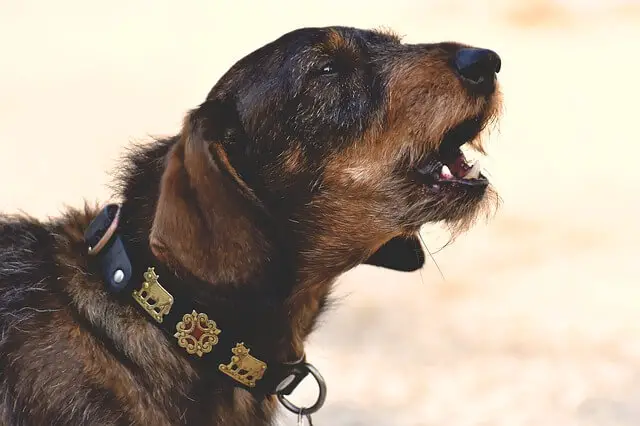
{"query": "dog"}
[(188, 303)]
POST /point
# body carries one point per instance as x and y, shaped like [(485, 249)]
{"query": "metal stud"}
[(118, 276)]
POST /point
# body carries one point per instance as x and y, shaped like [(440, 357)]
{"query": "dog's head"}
[(350, 139)]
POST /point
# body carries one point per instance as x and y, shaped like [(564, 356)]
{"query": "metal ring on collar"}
[(322, 395)]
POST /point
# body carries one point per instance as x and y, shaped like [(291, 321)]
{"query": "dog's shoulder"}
[(28, 273), (43, 346), (30, 248), (26, 254)]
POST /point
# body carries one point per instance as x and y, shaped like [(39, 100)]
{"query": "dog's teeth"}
[(446, 172), (474, 172)]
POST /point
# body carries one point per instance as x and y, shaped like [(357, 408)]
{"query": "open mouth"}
[(448, 165)]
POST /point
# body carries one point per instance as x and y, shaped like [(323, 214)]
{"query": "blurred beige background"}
[(537, 319)]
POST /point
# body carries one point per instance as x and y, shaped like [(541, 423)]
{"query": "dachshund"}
[(188, 302)]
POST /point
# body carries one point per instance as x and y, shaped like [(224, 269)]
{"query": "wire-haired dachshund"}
[(188, 301)]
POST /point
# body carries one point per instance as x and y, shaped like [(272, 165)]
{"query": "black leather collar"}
[(204, 340)]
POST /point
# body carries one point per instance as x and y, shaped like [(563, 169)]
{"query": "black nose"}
[(477, 65)]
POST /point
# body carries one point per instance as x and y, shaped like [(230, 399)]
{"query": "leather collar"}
[(211, 344)]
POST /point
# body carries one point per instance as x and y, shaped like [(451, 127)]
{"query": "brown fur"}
[(277, 184)]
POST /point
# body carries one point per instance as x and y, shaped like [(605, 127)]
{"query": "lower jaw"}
[(460, 185), (444, 202), (452, 183)]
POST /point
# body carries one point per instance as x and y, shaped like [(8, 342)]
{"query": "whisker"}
[(431, 256), (445, 244)]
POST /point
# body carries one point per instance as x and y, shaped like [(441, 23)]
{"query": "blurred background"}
[(536, 319)]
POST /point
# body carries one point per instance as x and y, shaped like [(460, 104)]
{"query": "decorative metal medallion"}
[(197, 333)]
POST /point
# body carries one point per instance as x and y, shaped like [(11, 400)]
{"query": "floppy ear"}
[(403, 254), (200, 196)]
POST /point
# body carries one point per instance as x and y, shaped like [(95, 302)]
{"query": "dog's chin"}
[(457, 204)]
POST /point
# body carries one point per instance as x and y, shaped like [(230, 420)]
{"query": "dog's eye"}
[(328, 68)]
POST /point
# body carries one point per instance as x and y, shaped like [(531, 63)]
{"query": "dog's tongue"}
[(460, 169)]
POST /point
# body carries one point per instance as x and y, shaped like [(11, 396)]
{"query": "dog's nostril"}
[(477, 64)]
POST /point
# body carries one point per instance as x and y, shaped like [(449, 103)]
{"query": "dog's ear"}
[(203, 203), (403, 254)]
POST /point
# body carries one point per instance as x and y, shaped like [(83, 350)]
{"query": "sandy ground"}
[(537, 319)]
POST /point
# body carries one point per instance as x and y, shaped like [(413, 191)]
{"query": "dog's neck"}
[(250, 270)]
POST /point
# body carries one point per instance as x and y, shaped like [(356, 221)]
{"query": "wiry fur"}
[(287, 176)]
